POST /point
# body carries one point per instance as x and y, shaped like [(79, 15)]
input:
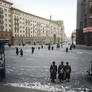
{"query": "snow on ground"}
[(32, 70)]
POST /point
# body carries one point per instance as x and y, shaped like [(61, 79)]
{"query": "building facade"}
[(5, 20), (25, 28), (84, 22)]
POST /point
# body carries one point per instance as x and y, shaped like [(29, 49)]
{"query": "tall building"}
[(5, 19), (84, 22), (25, 28), (80, 18)]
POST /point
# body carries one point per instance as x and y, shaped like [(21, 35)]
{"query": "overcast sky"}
[(59, 10)]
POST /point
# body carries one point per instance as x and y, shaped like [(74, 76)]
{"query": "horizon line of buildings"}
[(20, 27)]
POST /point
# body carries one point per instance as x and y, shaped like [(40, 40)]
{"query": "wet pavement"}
[(32, 70)]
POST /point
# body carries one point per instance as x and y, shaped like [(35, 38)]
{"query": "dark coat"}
[(61, 72), (21, 52), (68, 71), (53, 71), (17, 51)]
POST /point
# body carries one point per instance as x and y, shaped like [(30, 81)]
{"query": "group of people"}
[(62, 70), (71, 47), (17, 51)]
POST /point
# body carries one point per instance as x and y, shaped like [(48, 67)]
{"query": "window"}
[(9, 30), (1, 16), (5, 24), (9, 25), (10, 20), (6, 20), (5, 15), (5, 10), (9, 11), (15, 29), (9, 15), (6, 30)]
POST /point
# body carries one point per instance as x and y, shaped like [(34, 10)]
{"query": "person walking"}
[(33, 50), (67, 71), (52, 48), (21, 52), (17, 51), (67, 49), (61, 72), (49, 47), (70, 47), (53, 72)]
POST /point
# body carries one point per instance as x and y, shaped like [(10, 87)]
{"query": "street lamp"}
[(72, 39)]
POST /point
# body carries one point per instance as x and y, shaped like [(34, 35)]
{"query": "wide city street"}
[(32, 70)]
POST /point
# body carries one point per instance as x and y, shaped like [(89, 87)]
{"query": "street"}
[(32, 70)]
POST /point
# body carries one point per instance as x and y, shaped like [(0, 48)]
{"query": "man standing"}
[(66, 49), (61, 72), (67, 71), (21, 52), (17, 51), (53, 71)]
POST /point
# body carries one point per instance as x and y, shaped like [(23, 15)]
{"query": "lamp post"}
[(72, 39)]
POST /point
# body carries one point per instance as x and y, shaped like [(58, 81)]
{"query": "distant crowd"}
[(50, 47)]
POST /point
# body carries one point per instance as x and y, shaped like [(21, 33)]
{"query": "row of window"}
[(7, 15), (28, 31), (4, 35), (2, 30), (28, 21), (27, 35)]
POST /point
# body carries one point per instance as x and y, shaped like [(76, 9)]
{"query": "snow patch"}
[(39, 86)]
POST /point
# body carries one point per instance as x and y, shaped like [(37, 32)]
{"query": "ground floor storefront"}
[(88, 39), (88, 36), (34, 40)]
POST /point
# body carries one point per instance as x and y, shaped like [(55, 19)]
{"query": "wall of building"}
[(80, 22), (5, 20), (25, 28), (84, 20), (32, 29)]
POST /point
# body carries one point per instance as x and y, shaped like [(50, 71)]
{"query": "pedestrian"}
[(38, 48), (42, 46), (61, 72), (74, 46), (21, 52), (67, 71), (52, 47), (62, 45), (17, 51), (67, 49), (33, 50), (53, 72), (70, 47), (9, 45), (49, 47)]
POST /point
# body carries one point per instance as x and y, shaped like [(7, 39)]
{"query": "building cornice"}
[(33, 15), (6, 2)]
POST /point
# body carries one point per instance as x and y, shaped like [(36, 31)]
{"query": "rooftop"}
[(6, 2)]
